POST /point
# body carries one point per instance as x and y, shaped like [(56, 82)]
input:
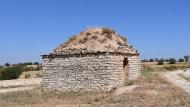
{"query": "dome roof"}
[(95, 40)]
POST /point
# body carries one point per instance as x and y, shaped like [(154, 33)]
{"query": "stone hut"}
[(97, 59)]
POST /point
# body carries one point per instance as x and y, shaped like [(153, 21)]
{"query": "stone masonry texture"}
[(88, 72)]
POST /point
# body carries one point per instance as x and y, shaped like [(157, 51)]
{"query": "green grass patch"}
[(146, 71)]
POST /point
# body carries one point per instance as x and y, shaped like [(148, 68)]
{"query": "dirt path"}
[(18, 85), (15, 89), (175, 78), (126, 89)]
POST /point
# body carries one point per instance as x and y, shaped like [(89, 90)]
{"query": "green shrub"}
[(28, 63), (172, 61), (145, 60), (10, 73), (167, 60), (161, 62), (171, 68), (156, 59), (181, 60), (187, 57), (36, 63), (146, 71), (7, 64), (151, 60)]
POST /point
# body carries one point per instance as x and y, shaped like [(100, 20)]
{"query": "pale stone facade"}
[(95, 71)]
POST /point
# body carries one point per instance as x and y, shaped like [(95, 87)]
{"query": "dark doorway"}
[(125, 62)]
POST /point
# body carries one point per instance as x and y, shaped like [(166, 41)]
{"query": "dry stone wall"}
[(134, 67), (101, 72)]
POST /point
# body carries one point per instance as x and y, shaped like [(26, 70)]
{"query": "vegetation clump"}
[(146, 71), (181, 60), (161, 62), (11, 73), (14, 71), (171, 68), (123, 38), (172, 61), (186, 57), (107, 31)]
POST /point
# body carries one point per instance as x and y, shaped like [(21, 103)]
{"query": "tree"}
[(7, 64), (145, 60), (156, 59), (181, 60), (28, 63), (161, 61), (186, 58), (172, 61), (36, 63), (167, 60), (151, 60)]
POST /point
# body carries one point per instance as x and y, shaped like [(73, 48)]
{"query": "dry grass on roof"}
[(91, 38)]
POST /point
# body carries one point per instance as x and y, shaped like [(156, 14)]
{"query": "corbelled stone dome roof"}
[(94, 40)]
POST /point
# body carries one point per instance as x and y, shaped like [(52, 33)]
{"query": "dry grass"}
[(94, 40), (153, 91), (123, 38), (185, 77), (108, 32), (31, 74), (167, 67)]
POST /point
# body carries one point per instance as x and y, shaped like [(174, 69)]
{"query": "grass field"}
[(31, 74), (166, 67), (153, 90)]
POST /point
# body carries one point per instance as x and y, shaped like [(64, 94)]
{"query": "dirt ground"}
[(153, 90), (18, 84), (178, 78)]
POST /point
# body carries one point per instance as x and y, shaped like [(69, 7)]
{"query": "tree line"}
[(161, 61), (26, 63), (9, 71)]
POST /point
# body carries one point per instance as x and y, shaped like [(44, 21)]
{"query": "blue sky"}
[(30, 28)]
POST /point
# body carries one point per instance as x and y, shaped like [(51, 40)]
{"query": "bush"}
[(28, 63), (156, 59), (181, 60), (145, 60), (10, 73), (7, 64), (167, 60), (161, 62), (187, 57), (171, 68), (36, 63), (172, 61), (151, 60)]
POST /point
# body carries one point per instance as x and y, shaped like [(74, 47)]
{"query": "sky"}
[(30, 28)]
